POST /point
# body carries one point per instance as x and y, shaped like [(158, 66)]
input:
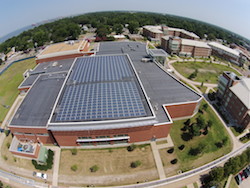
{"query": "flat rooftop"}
[(161, 87), (158, 52), (101, 88), (63, 46), (47, 67), (36, 107)]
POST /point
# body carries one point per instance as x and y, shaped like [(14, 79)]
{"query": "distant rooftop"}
[(63, 48), (196, 43), (184, 31), (224, 48), (153, 28)]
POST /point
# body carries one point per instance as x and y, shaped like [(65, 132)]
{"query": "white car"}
[(40, 175)]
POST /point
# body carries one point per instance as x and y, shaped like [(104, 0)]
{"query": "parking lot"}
[(245, 183)]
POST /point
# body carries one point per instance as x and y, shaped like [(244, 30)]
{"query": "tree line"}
[(107, 22)]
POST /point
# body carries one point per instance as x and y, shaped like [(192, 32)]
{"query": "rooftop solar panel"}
[(101, 88)]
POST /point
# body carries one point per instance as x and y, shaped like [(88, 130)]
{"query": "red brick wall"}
[(181, 110), (59, 58), (136, 134), (20, 134)]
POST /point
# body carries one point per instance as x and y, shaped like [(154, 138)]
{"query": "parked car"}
[(245, 172), (40, 175), (238, 179), (242, 175)]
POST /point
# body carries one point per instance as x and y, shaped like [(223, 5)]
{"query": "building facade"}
[(234, 94), (185, 47)]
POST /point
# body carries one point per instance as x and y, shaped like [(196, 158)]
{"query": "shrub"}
[(74, 167), (171, 150), (186, 136), (7, 132), (135, 164), (181, 147), (131, 147), (74, 151), (49, 162), (205, 106), (174, 161), (94, 168), (1, 184), (8, 145), (211, 96), (5, 157)]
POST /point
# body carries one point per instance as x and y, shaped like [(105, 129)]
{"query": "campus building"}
[(185, 47), (156, 32), (110, 98), (234, 94), (64, 50), (232, 55)]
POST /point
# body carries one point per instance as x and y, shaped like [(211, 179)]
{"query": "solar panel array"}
[(101, 88)]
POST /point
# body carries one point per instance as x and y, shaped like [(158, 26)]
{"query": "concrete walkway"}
[(56, 164), (155, 148), (158, 161)]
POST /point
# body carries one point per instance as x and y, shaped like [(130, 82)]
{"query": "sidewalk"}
[(155, 149)]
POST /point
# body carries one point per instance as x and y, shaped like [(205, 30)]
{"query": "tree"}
[(117, 28), (217, 174), (1, 61), (133, 26), (201, 123)]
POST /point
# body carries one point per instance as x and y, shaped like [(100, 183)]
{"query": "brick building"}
[(103, 99), (156, 32), (233, 55), (185, 47), (234, 93), (64, 50)]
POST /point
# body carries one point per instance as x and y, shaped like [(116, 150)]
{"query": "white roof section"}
[(153, 28), (242, 91), (184, 31), (224, 48), (195, 43)]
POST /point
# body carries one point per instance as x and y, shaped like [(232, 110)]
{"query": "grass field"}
[(115, 161), (216, 133), (9, 81), (233, 183), (207, 72), (170, 169)]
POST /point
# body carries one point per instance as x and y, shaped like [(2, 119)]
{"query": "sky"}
[(233, 15)]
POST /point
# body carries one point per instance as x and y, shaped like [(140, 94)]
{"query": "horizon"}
[(226, 14)]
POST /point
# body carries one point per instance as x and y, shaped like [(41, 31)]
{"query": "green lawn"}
[(233, 183), (9, 81), (216, 133), (207, 72)]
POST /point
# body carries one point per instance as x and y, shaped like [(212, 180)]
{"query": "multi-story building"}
[(156, 32), (232, 55), (185, 47), (110, 98), (234, 93)]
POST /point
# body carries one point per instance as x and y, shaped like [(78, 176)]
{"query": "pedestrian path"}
[(56, 164), (155, 149)]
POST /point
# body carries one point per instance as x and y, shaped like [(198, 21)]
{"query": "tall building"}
[(234, 94), (185, 47)]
